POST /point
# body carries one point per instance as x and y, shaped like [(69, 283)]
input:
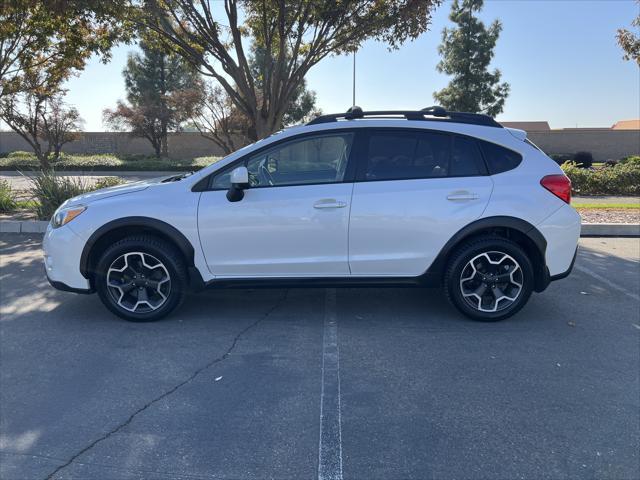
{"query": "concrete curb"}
[(23, 226), (610, 230), (588, 229)]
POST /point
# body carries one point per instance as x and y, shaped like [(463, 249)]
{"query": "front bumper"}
[(62, 249)]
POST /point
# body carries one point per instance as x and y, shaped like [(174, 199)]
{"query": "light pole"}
[(354, 79)]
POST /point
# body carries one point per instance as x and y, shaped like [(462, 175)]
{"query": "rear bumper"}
[(565, 274), (561, 230)]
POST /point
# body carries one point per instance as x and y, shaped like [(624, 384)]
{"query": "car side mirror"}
[(239, 182)]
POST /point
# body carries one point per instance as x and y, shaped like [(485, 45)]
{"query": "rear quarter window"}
[(499, 159)]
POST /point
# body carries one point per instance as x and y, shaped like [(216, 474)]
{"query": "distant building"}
[(528, 126), (627, 125)]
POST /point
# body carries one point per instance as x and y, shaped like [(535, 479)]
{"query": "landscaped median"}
[(26, 162)]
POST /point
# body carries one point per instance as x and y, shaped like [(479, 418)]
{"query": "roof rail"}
[(429, 113)]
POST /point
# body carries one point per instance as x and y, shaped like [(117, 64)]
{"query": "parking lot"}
[(323, 383)]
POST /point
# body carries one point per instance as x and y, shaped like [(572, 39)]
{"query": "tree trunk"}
[(43, 158), (164, 140)]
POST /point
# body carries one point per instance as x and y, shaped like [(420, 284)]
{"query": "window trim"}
[(349, 173), (364, 147)]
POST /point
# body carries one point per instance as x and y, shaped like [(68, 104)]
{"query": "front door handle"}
[(329, 203), (462, 196)]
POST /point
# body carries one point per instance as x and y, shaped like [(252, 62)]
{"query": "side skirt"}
[(426, 280)]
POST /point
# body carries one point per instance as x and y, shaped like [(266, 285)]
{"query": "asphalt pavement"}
[(323, 383)]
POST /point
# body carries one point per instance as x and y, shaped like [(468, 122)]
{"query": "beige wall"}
[(181, 145), (602, 143)]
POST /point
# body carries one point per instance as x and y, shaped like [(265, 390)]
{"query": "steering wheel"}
[(265, 173)]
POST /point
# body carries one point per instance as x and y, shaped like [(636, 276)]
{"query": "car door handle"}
[(329, 203), (462, 196)]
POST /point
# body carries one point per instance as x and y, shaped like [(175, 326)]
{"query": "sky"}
[(559, 56)]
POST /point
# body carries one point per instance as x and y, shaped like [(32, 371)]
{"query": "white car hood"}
[(87, 198)]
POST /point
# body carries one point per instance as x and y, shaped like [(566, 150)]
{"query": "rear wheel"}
[(489, 279), (141, 278)]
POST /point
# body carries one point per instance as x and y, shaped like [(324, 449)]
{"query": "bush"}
[(104, 162), (51, 190), (583, 159), (561, 158), (107, 182), (621, 179), (7, 197), (630, 160)]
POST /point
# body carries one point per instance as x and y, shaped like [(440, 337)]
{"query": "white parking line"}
[(607, 282), (330, 445)]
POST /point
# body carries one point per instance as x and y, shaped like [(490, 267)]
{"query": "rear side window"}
[(408, 155), (390, 155), (499, 159), (466, 160)]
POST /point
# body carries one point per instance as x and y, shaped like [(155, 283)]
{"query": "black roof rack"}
[(430, 113)]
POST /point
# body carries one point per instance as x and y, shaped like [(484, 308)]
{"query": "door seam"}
[(353, 186)]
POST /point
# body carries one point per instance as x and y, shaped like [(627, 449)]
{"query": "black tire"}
[(481, 281), (142, 250)]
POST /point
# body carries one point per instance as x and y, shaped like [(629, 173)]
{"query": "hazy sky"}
[(560, 57)]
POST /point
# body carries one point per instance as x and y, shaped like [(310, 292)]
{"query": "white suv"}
[(385, 198)]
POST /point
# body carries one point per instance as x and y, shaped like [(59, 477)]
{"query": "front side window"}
[(312, 160)]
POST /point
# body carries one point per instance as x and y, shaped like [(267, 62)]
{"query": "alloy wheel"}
[(138, 282), (491, 281)]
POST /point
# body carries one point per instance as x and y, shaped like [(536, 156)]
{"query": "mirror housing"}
[(239, 181)]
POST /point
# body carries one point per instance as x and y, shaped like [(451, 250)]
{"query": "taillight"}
[(559, 185)]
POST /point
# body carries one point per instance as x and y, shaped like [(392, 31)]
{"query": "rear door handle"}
[(462, 196), (329, 203)]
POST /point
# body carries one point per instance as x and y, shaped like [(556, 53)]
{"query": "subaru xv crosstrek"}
[(383, 198)]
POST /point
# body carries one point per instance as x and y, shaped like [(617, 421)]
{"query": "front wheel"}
[(489, 279), (141, 278)]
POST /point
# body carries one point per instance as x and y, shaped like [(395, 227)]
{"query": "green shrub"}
[(107, 182), (28, 161), (630, 160), (21, 154), (583, 159), (561, 158), (621, 179), (7, 197), (51, 190)]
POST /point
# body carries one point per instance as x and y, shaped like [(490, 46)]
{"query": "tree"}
[(219, 120), (630, 42), (55, 38), (24, 113), (163, 91), (61, 125), (295, 36), (466, 53), (43, 43)]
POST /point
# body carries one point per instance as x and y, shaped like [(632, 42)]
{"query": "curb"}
[(610, 230), (588, 229), (23, 226)]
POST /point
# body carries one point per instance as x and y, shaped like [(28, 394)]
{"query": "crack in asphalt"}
[(172, 390)]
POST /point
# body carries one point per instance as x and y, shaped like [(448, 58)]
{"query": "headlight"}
[(65, 215)]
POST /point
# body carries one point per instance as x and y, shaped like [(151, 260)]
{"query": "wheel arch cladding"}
[(118, 229), (512, 228)]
